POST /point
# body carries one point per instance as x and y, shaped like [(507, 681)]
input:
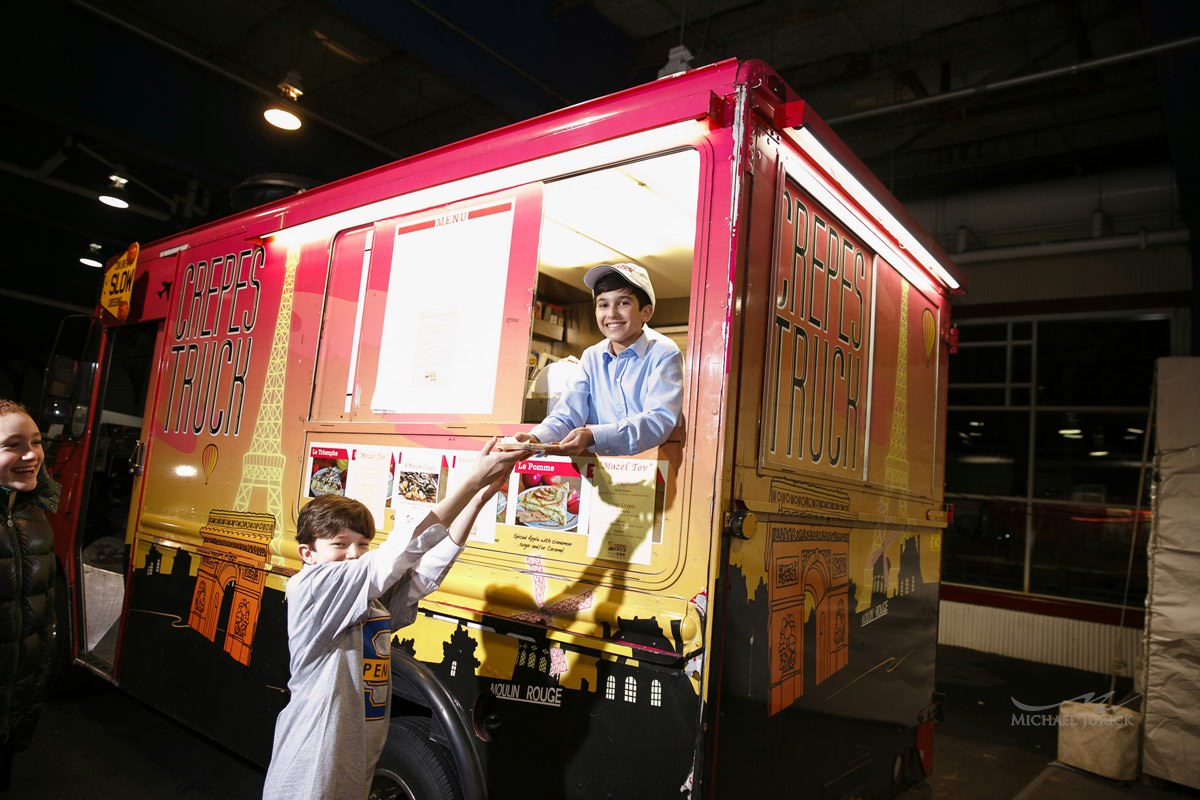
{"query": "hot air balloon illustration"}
[(929, 333), (208, 459)]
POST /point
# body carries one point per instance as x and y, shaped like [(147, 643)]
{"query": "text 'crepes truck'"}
[(749, 609)]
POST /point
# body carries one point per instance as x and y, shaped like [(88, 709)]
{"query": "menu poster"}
[(369, 480), (327, 468), (417, 484), (620, 523), (545, 502), (483, 529), (547, 494)]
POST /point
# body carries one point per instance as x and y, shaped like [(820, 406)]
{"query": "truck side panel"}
[(829, 609)]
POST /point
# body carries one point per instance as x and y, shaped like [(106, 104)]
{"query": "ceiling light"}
[(89, 259), (114, 195), (283, 114)]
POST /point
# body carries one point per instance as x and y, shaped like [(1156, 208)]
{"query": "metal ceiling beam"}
[(82, 191), (1020, 80)]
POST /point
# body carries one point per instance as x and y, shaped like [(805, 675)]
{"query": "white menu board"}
[(620, 525), (444, 311), (368, 479)]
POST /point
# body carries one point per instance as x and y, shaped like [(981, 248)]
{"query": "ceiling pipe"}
[(267, 93), (549, 90), (79, 190), (1065, 208), (1020, 80), (45, 301), (1139, 241), (124, 173)]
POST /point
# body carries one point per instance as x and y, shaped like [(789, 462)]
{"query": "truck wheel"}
[(413, 766)]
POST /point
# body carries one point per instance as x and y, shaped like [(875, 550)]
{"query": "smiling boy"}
[(342, 609), (629, 393)]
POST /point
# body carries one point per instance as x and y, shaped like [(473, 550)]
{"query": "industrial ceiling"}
[(936, 97)]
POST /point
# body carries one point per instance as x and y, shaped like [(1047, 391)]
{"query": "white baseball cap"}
[(633, 273)]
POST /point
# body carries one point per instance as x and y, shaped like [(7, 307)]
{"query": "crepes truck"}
[(749, 609)]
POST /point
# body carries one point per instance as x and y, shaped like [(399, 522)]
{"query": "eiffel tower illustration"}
[(263, 463), (895, 466), (239, 542)]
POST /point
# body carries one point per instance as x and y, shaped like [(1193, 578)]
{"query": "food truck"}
[(749, 608)]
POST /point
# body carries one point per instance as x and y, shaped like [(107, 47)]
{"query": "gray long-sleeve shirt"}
[(341, 616)]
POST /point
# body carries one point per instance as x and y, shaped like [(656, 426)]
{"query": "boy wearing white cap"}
[(629, 392)]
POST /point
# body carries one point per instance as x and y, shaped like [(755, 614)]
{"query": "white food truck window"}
[(428, 317)]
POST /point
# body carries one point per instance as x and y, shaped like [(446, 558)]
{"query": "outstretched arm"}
[(461, 528), (570, 411), (485, 478), (430, 552)]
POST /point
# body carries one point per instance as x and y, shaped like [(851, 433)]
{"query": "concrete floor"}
[(982, 753), (101, 744)]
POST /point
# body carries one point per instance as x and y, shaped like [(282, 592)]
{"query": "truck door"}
[(101, 548), (95, 399)]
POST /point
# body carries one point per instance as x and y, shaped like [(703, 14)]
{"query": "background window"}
[(1045, 434)]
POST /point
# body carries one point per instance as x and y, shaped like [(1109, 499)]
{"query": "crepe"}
[(532, 447), (544, 504), (326, 481)]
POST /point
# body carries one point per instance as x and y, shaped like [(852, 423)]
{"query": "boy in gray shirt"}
[(342, 608)]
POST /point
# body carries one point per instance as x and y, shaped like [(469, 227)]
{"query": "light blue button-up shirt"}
[(631, 401)]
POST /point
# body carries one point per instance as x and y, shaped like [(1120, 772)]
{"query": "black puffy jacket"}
[(27, 625)]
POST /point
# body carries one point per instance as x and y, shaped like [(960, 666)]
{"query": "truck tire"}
[(413, 766)]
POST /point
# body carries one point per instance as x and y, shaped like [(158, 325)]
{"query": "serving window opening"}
[(643, 212)]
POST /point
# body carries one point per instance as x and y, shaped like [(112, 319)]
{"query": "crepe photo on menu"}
[(417, 481), (544, 504), (327, 467), (547, 494)]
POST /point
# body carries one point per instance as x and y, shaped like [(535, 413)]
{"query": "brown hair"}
[(325, 516), (612, 281), (13, 407)]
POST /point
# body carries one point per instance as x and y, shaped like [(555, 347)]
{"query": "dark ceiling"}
[(170, 93)]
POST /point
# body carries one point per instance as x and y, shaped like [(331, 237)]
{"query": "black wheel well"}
[(417, 692)]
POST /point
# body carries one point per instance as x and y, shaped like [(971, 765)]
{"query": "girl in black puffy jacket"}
[(26, 580)]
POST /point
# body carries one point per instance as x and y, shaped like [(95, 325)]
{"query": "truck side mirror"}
[(68, 380)]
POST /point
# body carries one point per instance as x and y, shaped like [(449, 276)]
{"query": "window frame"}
[(1027, 505)]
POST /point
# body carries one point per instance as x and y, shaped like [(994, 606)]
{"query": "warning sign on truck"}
[(118, 284)]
